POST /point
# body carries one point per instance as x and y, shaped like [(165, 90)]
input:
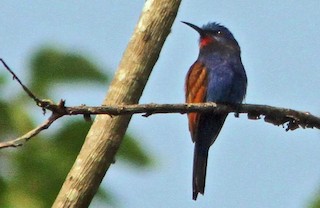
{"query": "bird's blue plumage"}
[(227, 83), (217, 76), (214, 27)]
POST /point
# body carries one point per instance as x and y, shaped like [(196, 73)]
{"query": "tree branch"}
[(15, 77), (275, 115), (278, 116), (24, 138)]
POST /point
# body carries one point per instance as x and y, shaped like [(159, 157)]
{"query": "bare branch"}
[(15, 77), (24, 138), (277, 116)]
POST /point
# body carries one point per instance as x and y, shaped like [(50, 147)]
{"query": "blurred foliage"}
[(316, 201), (31, 176), (50, 67)]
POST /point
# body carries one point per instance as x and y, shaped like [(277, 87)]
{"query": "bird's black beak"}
[(198, 29)]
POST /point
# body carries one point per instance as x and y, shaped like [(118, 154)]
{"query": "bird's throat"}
[(205, 41)]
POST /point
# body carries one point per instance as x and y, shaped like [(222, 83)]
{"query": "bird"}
[(217, 75)]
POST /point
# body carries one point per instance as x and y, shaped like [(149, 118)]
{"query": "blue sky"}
[(252, 164)]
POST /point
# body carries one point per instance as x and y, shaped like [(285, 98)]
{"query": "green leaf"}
[(6, 124), (3, 79), (131, 151), (50, 66), (4, 189), (71, 136), (41, 170), (316, 201)]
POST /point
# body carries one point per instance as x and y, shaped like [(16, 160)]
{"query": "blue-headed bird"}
[(216, 76)]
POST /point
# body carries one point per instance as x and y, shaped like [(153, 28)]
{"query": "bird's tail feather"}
[(200, 158)]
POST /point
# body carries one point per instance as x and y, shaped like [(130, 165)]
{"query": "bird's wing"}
[(196, 91), (221, 84)]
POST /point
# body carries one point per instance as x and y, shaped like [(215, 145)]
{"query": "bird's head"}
[(215, 37)]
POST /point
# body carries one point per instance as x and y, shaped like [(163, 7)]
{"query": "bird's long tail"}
[(200, 158)]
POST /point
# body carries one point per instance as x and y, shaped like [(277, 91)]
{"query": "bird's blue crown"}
[(214, 27)]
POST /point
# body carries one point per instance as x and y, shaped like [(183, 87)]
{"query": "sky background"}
[(252, 164)]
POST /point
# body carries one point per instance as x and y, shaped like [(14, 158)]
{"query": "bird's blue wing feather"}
[(226, 84)]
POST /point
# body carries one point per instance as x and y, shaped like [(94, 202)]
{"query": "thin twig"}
[(15, 77), (24, 138)]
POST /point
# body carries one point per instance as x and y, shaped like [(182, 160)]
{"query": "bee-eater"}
[(216, 76)]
